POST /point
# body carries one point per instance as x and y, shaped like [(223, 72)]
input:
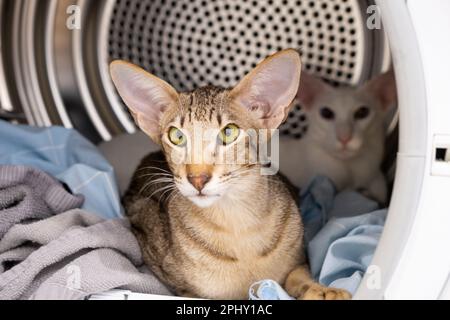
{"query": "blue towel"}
[(66, 155), (342, 251), (342, 231)]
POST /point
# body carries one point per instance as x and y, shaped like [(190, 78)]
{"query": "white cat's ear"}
[(145, 95), (269, 90), (384, 89), (310, 88)]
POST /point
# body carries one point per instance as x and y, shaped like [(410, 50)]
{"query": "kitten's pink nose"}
[(345, 139), (199, 181)]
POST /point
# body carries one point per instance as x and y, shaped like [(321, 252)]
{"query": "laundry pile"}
[(67, 156), (61, 231)]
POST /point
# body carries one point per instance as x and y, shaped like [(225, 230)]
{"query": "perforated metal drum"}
[(195, 43), (61, 75)]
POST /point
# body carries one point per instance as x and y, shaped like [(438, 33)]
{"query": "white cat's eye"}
[(362, 113), (177, 137), (327, 113), (229, 134)]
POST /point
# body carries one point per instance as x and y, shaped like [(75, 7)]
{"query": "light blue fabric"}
[(341, 252), (66, 155), (350, 203), (268, 290), (316, 202), (320, 201), (342, 231)]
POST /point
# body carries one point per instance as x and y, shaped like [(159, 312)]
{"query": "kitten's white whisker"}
[(156, 174), (152, 182), (154, 168), (165, 192), (159, 190)]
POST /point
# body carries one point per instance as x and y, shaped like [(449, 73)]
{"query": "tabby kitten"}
[(210, 228)]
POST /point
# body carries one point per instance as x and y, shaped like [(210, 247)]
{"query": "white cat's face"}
[(340, 120), (343, 120)]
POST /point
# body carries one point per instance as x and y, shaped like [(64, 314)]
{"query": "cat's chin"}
[(204, 201), (345, 154)]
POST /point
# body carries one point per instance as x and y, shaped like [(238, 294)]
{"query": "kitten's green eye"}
[(229, 134), (177, 137)]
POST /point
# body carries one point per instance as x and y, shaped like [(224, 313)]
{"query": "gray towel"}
[(70, 255), (27, 194), (78, 254)]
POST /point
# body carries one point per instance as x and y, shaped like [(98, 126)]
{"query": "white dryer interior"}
[(412, 258)]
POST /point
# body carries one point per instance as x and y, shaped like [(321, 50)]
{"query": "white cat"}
[(345, 137)]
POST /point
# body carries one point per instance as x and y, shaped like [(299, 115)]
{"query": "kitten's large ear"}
[(383, 88), (145, 95), (310, 88), (269, 89)]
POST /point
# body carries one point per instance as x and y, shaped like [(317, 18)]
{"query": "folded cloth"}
[(268, 290), (71, 256), (66, 155), (341, 252), (320, 201), (342, 231), (27, 194), (349, 203), (315, 204)]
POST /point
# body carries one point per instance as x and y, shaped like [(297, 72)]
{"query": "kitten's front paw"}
[(318, 292)]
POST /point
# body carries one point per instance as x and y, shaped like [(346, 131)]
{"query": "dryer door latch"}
[(441, 156)]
